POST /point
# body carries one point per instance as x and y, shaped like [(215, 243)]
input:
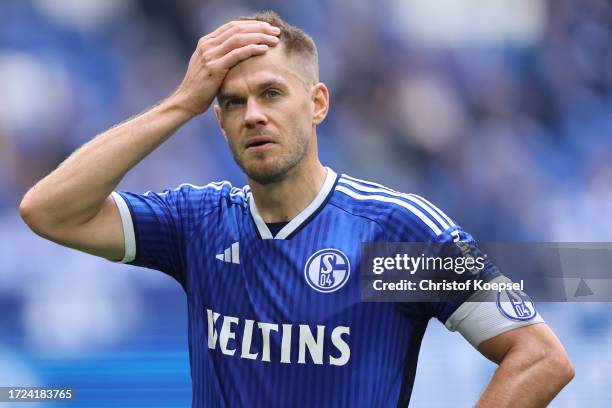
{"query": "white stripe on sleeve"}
[(128, 228)]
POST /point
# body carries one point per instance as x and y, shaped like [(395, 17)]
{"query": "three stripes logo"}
[(231, 254)]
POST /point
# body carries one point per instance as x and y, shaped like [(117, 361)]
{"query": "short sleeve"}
[(482, 314), (457, 242), (157, 226), (486, 313)]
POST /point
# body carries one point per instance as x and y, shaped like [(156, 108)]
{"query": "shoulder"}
[(403, 216), (191, 198), (213, 192)]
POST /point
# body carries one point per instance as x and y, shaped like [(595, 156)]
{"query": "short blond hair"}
[(294, 40)]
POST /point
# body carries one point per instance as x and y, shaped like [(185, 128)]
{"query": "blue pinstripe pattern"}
[(180, 232)]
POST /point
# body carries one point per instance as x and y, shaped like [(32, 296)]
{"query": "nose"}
[(254, 115)]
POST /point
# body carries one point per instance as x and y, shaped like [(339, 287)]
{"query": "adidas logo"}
[(230, 254)]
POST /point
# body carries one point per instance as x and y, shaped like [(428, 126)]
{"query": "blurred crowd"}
[(499, 111)]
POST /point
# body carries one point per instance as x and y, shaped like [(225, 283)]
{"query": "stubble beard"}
[(270, 170)]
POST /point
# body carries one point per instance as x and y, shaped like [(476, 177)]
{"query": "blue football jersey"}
[(277, 321)]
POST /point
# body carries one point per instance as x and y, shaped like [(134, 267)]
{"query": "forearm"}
[(75, 191), (527, 379)]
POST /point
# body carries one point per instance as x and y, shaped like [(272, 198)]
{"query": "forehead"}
[(274, 65)]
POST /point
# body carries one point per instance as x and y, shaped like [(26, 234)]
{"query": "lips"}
[(258, 141)]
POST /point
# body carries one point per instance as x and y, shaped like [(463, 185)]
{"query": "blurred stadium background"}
[(499, 111)]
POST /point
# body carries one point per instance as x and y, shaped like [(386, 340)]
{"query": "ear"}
[(320, 100), (218, 116)]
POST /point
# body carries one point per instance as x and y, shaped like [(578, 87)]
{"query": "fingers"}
[(233, 24), (240, 54), (234, 27), (215, 54), (236, 41), (242, 40)]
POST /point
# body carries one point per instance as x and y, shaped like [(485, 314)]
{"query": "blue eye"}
[(271, 93)]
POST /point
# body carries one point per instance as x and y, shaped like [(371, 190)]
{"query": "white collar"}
[(299, 219)]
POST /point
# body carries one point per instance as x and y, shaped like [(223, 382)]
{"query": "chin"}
[(270, 168), (269, 171), (266, 174)]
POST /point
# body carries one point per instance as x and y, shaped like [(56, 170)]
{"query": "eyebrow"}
[(222, 96)]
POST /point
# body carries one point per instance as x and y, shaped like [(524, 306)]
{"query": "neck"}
[(301, 185)]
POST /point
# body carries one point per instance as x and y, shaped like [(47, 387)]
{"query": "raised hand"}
[(215, 54)]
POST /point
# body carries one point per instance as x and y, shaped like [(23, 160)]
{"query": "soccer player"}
[(270, 269)]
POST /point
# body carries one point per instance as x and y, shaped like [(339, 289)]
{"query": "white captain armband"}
[(488, 313)]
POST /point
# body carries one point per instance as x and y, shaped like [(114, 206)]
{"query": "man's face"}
[(266, 113)]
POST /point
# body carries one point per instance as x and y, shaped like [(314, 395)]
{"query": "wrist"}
[(184, 103), (177, 102)]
